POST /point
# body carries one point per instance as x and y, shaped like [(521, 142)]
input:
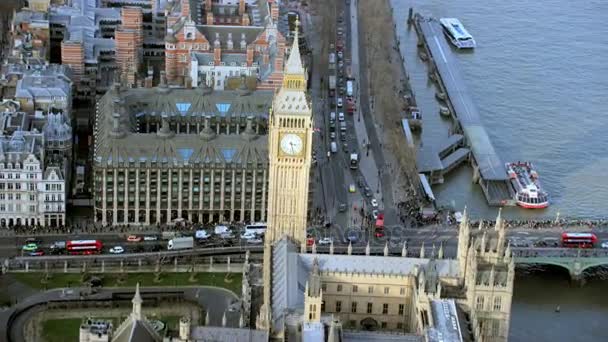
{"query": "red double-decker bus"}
[(76, 247), (578, 240)]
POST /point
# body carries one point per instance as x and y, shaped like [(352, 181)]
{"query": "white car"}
[(604, 244), (375, 214), (339, 102), (150, 238), (325, 241), (340, 54), (117, 250), (248, 236), (341, 116), (255, 241), (374, 203)]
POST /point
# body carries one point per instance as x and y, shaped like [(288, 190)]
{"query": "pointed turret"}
[(422, 251), (207, 319), (224, 319), (314, 247), (137, 301), (482, 245), (241, 321), (294, 62), (386, 249), (440, 253), (331, 246), (367, 249), (404, 250), (349, 250), (492, 276), (499, 221)]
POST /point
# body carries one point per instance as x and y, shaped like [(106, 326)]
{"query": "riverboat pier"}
[(470, 141)]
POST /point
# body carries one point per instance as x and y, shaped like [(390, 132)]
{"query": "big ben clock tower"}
[(290, 150)]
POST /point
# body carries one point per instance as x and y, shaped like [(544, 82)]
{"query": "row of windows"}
[(369, 308), (19, 208), (17, 166), (370, 289), (383, 325), (497, 304), (30, 186), (17, 175)]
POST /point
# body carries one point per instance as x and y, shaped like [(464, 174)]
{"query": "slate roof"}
[(178, 105), (221, 334)]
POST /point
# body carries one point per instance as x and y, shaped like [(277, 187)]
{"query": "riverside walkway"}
[(489, 169)]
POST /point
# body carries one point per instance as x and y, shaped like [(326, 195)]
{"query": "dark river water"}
[(539, 78)]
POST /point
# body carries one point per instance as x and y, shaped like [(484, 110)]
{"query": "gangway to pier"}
[(454, 159), (452, 144), (489, 170)]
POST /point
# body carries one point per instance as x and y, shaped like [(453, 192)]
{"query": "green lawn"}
[(61, 330), (230, 281)]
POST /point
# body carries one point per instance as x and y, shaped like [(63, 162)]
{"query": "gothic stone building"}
[(167, 154)]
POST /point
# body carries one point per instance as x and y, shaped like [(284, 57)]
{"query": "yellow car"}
[(352, 188)]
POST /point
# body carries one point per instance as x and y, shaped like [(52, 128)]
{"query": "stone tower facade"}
[(290, 151), (488, 269)]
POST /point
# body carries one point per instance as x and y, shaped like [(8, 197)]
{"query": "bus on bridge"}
[(579, 240)]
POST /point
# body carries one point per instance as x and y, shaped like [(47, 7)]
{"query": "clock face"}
[(291, 144)]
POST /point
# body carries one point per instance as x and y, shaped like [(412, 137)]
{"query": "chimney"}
[(229, 43), (185, 8), (217, 55), (209, 18), (245, 21), (274, 11), (249, 55), (243, 42), (241, 7)]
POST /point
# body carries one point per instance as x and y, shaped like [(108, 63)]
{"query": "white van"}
[(333, 147)]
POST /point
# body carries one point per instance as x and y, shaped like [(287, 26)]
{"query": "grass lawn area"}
[(61, 330), (230, 281)]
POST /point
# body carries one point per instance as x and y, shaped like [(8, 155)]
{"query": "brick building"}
[(211, 43)]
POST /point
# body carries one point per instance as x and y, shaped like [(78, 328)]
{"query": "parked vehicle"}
[(255, 241), (201, 234), (342, 207), (256, 228), (180, 243), (341, 116), (334, 147), (30, 247), (332, 85), (117, 250), (219, 230), (37, 252), (339, 102), (168, 235), (353, 237), (325, 241), (150, 238), (248, 236), (374, 203), (133, 238), (58, 246), (349, 88)]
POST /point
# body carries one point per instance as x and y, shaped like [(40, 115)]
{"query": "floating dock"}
[(489, 170)]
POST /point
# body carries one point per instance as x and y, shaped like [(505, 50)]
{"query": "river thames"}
[(539, 79)]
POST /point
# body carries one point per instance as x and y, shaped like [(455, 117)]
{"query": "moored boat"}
[(529, 193), (457, 34)]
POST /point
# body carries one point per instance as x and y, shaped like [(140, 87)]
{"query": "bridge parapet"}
[(576, 261)]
